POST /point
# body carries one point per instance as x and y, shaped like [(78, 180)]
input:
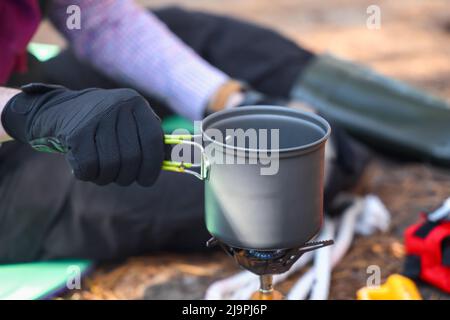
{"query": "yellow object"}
[(272, 295), (396, 287)]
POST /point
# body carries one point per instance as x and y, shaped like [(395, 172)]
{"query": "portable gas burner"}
[(266, 263)]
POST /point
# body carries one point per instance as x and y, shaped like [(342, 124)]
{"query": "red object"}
[(19, 20), (426, 243)]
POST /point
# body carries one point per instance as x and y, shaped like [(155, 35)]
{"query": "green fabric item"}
[(38, 280), (172, 123), (43, 52), (383, 112)]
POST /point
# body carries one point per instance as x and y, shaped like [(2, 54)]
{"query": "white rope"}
[(223, 289), (374, 217), (322, 265), (361, 212), (343, 240), (442, 212), (302, 287)]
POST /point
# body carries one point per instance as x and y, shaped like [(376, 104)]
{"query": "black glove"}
[(108, 135)]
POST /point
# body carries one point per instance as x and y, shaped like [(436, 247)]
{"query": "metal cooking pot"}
[(246, 208)]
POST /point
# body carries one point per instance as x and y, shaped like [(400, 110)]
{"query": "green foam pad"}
[(172, 123), (42, 51), (38, 280)]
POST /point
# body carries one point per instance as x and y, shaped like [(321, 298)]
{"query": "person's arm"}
[(130, 44), (5, 95)]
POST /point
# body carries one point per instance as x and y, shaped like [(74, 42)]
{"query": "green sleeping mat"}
[(40, 280)]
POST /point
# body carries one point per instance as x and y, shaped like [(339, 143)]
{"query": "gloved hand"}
[(107, 135)]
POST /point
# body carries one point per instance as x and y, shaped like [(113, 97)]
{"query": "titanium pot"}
[(246, 208)]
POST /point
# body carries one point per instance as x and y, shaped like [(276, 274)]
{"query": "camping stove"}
[(266, 263)]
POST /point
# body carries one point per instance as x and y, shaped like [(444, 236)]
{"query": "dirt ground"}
[(412, 45)]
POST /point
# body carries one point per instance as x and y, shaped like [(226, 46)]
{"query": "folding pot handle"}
[(183, 167)]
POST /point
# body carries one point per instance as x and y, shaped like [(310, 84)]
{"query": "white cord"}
[(374, 216), (343, 240), (322, 265), (440, 213), (224, 289)]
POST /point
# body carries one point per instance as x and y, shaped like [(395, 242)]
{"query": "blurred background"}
[(413, 45)]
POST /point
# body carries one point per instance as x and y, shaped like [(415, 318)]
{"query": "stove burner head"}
[(265, 255), (264, 262)]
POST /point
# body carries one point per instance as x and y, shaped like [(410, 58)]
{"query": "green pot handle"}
[(183, 167)]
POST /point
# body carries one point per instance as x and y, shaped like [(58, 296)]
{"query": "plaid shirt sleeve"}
[(127, 42)]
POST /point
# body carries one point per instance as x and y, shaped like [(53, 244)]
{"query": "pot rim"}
[(268, 109)]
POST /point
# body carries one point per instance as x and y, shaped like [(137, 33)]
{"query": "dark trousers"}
[(45, 213)]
